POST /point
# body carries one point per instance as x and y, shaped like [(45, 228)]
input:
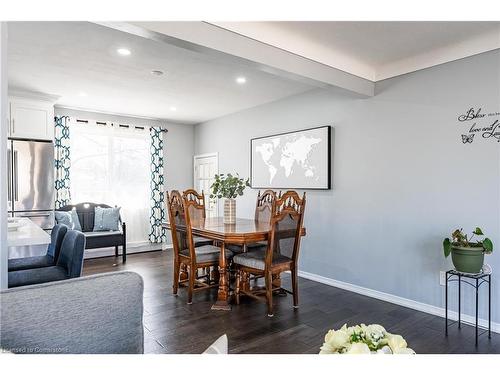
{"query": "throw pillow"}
[(68, 218), (106, 219)]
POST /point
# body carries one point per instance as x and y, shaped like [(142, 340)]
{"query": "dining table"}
[(242, 232)]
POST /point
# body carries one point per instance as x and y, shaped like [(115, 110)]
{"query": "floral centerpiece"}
[(364, 339)]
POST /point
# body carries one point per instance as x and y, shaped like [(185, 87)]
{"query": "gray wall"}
[(402, 179)]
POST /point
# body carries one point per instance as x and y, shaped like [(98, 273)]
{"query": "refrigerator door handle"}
[(9, 175), (15, 177)]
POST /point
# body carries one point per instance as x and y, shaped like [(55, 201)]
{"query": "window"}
[(111, 165)]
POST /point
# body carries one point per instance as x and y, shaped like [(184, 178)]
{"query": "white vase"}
[(229, 211)]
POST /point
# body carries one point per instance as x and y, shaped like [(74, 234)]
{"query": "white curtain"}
[(111, 165)]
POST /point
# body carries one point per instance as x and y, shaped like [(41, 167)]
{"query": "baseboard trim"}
[(415, 305)]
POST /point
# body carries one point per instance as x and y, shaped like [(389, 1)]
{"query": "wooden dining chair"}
[(281, 254), (192, 194), (263, 210), (188, 259)]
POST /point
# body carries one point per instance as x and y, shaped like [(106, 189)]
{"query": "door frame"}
[(206, 155)]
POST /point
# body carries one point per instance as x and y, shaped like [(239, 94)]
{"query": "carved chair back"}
[(286, 225), (264, 207), (195, 204), (181, 230)]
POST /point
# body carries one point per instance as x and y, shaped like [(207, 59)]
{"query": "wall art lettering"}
[(476, 121)]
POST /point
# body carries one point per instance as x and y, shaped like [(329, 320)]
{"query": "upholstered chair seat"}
[(257, 259), (207, 253)]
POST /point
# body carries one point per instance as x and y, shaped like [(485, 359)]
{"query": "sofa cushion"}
[(106, 218), (68, 218), (256, 259), (36, 276), (18, 264)]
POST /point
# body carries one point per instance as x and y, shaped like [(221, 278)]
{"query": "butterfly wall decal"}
[(467, 138)]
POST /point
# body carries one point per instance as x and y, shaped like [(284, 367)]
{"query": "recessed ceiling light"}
[(241, 80), (123, 51), (173, 109), (82, 94), (157, 72)]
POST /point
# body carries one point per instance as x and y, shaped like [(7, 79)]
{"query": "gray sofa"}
[(93, 314)]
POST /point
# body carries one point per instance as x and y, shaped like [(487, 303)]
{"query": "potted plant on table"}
[(228, 187), (467, 256)]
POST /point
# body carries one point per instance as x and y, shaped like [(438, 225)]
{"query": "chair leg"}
[(295, 288), (116, 251), (269, 294), (177, 268), (124, 252), (192, 276), (238, 286)]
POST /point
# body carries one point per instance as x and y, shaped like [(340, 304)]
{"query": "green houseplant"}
[(467, 256), (228, 187)]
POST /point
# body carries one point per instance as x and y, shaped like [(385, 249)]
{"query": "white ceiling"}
[(375, 50), (70, 58)]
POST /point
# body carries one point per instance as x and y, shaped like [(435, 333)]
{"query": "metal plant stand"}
[(478, 280)]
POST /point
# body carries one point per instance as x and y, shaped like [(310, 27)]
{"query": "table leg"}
[(222, 302), (459, 301), (183, 274), (276, 281), (446, 306), (489, 306), (477, 303)]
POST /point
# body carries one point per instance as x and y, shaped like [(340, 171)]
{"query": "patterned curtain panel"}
[(157, 216), (62, 161)]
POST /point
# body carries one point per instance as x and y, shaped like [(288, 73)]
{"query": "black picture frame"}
[(329, 161)]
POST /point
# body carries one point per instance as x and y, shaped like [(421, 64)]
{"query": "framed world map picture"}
[(295, 160)]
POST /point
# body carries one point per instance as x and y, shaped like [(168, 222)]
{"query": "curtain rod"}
[(122, 125)]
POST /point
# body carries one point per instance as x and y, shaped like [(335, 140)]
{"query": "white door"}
[(206, 166)]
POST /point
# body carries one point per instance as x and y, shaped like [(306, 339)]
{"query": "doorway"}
[(206, 166)]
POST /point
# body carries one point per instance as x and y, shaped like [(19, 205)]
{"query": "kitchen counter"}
[(28, 240)]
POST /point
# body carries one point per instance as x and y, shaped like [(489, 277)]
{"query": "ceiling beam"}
[(206, 38)]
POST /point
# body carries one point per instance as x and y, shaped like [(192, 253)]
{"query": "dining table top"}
[(243, 230)]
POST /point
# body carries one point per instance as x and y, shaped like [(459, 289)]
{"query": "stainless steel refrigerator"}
[(31, 181)]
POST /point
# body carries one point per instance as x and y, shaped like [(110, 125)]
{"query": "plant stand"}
[(479, 279)]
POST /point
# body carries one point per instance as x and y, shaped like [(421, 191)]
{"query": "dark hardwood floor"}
[(172, 326)]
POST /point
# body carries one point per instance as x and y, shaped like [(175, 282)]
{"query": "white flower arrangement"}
[(363, 339)]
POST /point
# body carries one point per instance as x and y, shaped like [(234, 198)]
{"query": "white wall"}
[(402, 179), (3, 152)]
